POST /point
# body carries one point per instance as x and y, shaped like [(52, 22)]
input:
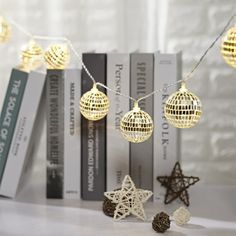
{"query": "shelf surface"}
[(213, 210)]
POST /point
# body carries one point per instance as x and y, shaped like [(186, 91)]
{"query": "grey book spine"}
[(168, 70), (93, 135), (9, 113), (141, 155), (55, 133)]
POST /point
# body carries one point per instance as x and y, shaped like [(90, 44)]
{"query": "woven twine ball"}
[(31, 56), (136, 125), (57, 56), (161, 222), (181, 216), (183, 109), (5, 30), (228, 47), (108, 206), (94, 104)]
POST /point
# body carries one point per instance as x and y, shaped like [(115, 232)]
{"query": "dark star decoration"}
[(177, 184)]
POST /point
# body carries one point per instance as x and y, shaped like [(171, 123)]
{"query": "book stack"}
[(86, 158), (20, 122)]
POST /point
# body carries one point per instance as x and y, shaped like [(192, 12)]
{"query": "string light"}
[(183, 109), (57, 56), (5, 30), (136, 125), (94, 104), (228, 47), (31, 56)]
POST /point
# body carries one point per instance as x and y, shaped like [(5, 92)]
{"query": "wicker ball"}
[(181, 216), (109, 207), (31, 56), (183, 109), (136, 125), (94, 104), (57, 56), (5, 30), (228, 47), (161, 222)]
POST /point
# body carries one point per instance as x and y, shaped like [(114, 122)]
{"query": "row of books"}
[(86, 158)]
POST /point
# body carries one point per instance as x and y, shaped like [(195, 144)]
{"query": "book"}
[(9, 113), (93, 134), (117, 147), (23, 136), (166, 137), (55, 132), (72, 142), (141, 154)]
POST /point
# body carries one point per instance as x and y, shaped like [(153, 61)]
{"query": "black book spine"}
[(93, 135), (55, 136)]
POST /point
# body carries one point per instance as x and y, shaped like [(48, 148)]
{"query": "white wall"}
[(209, 149)]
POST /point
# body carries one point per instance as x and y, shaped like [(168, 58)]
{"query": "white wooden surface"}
[(213, 212)]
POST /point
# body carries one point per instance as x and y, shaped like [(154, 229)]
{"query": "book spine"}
[(72, 166), (141, 155), (93, 135), (17, 156), (117, 147), (166, 137), (55, 133), (9, 114)]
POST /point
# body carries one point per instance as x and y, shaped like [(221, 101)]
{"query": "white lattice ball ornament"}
[(183, 109), (136, 125), (5, 30), (57, 56), (181, 216), (228, 47), (31, 56), (94, 104)]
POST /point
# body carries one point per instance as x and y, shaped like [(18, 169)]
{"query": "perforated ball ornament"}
[(31, 56), (57, 56), (136, 125), (228, 47), (183, 109), (94, 104), (5, 30)]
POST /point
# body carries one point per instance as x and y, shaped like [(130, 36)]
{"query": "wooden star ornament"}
[(129, 200), (177, 184)]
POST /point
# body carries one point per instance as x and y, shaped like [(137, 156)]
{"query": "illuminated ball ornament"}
[(228, 47), (5, 30), (94, 104), (31, 56), (57, 56), (183, 109), (136, 125)]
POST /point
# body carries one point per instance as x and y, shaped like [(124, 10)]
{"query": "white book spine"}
[(19, 152), (72, 150), (117, 147), (166, 137)]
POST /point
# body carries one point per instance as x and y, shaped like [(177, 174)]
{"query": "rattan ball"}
[(57, 56), (228, 47), (181, 216), (31, 56), (161, 222), (183, 109), (5, 30), (94, 104), (136, 125)]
